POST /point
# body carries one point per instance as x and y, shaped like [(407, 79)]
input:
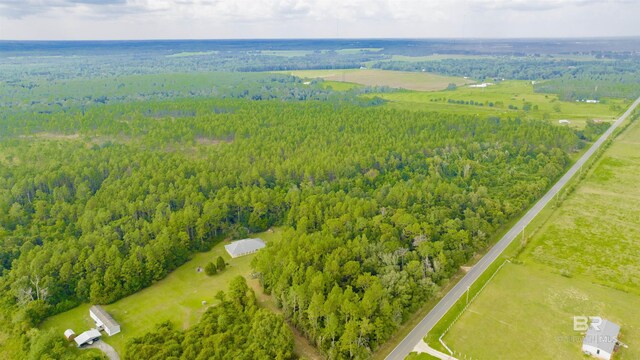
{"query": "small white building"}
[(244, 247), (592, 101), (69, 334), (87, 337), (103, 320), (483, 85), (601, 339), (563, 121)]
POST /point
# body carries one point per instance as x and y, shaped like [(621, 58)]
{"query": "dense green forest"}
[(234, 329), (383, 205), (49, 96), (116, 168)]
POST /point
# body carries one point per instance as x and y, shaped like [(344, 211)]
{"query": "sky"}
[(231, 19)]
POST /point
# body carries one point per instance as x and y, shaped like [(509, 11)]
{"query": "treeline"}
[(573, 79), (386, 204), (106, 65), (233, 329), (571, 88), (51, 96)]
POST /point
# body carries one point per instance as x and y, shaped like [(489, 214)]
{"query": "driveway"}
[(105, 348)]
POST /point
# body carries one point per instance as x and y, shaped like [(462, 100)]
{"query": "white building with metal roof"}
[(601, 339), (244, 247), (103, 320), (87, 337)]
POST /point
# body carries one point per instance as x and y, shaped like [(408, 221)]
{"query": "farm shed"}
[(104, 320), (563, 121), (244, 247), (69, 334), (87, 337), (601, 339)]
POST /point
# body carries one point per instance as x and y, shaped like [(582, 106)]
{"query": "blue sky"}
[(196, 19)]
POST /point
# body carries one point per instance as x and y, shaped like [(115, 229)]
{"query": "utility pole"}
[(468, 294)]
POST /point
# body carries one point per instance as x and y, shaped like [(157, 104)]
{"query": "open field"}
[(508, 98), (596, 231), (591, 239), (394, 79), (194, 53), (436, 57), (286, 53), (340, 86), (294, 53), (177, 298), (532, 309)]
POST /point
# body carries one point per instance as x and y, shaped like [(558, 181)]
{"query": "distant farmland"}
[(420, 81)]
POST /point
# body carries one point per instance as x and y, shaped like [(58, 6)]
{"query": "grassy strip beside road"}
[(450, 299), (527, 298), (532, 309)]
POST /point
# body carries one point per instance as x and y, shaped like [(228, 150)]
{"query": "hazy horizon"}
[(321, 19)]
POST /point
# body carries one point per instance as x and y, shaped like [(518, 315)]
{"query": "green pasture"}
[(192, 53), (596, 231), (435, 57), (286, 53), (583, 260), (507, 98), (177, 298), (526, 312), (295, 53)]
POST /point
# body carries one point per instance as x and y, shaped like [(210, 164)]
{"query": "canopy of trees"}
[(382, 205), (233, 329)]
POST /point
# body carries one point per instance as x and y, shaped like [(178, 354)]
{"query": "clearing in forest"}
[(512, 98), (421, 81), (177, 298)]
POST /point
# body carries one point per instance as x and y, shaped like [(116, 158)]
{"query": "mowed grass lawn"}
[(421, 81), (176, 298), (514, 93), (527, 312), (593, 238)]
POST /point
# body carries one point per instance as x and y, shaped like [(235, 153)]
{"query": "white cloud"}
[(314, 18)]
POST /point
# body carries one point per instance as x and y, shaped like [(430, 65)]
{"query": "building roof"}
[(244, 246), (86, 336), (603, 336), (104, 316)]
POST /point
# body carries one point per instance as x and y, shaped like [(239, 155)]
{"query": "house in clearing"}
[(244, 247), (87, 337), (104, 320), (601, 339), (563, 121)]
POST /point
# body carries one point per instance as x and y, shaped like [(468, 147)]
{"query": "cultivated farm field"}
[(394, 79)]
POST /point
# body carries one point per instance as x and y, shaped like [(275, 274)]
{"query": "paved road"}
[(431, 319)]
